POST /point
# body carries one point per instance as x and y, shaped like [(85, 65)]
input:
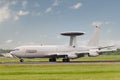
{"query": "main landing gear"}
[(21, 60), (66, 59), (52, 60)]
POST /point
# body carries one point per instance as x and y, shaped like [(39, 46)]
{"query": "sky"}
[(36, 22)]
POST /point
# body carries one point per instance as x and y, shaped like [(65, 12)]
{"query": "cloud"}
[(109, 31), (8, 2), (37, 5), (77, 5), (4, 14), (7, 14), (22, 13), (110, 42), (14, 2), (9, 41), (56, 3), (24, 4), (108, 23), (48, 10), (97, 23), (58, 37), (36, 13), (102, 43), (16, 17), (100, 23)]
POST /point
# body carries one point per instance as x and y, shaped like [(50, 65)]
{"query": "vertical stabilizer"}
[(94, 41)]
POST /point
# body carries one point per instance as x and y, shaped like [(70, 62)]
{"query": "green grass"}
[(60, 72), (99, 71)]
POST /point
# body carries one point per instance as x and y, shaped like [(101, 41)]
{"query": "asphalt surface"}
[(72, 62)]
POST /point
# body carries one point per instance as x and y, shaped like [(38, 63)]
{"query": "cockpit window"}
[(31, 51)]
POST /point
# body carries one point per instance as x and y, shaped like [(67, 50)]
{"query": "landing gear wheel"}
[(66, 60), (52, 60), (21, 60)]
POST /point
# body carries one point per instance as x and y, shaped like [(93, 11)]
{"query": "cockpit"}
[(14, 50)]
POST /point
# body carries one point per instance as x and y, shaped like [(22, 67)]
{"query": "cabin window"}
[(31, 51)]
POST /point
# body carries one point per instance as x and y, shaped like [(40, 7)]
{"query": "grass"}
[(60, 72), (86, 58), (97, 71)]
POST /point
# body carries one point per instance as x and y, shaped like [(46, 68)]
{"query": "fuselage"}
[(45, 51)]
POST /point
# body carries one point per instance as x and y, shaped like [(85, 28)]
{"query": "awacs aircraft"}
[(53, 52)]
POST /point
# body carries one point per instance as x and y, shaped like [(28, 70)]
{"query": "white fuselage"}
[(45, 51)]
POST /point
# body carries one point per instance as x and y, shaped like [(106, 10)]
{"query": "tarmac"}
[(59, 62)]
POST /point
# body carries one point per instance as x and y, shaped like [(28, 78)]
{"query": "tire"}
[(52, 60), (66, 60), (21, 60)]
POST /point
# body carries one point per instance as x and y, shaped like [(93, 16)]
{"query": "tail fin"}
[(94, 41)]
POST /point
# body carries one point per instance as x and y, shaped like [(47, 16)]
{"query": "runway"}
[(59, 62)]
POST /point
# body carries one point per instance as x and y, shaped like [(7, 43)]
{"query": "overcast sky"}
[(25, 22)]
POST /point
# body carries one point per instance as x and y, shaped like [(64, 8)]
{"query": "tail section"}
[(94, 41)]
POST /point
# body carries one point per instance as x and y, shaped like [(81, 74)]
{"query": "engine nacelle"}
[(72, 56), (93, 54)]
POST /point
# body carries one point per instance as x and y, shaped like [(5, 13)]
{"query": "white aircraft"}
[(66, 52)]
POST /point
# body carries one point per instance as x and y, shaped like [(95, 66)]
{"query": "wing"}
[(97, 51)]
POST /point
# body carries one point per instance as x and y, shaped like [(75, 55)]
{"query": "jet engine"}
[(93, 53)]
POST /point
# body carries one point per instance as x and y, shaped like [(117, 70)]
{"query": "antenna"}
[(73, 35)]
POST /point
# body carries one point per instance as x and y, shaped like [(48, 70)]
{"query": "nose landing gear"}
[(66, 59)]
